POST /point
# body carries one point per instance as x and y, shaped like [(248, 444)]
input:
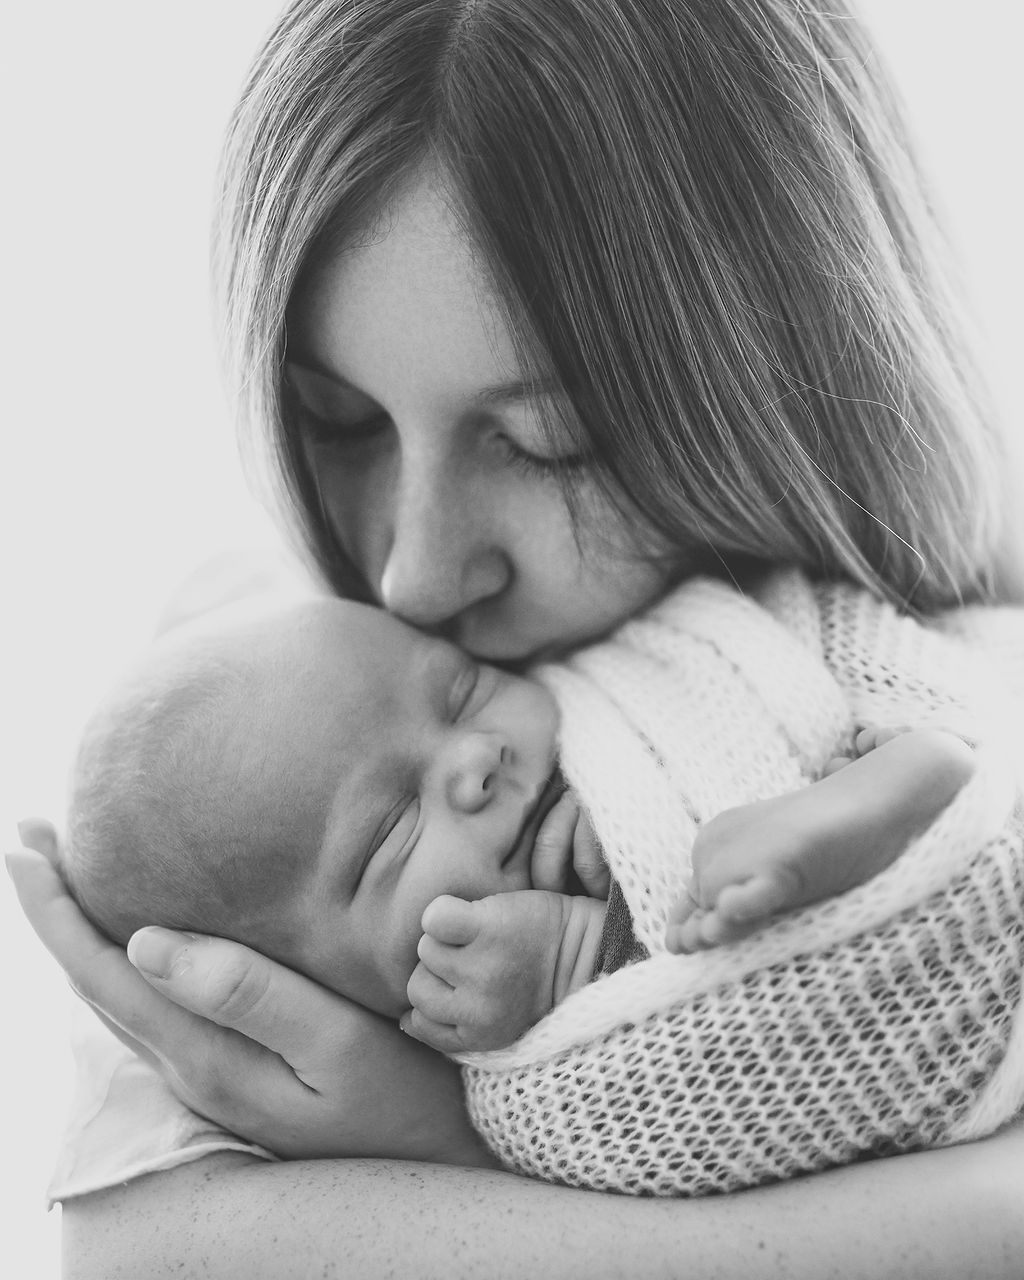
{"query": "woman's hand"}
[(248, 1043)]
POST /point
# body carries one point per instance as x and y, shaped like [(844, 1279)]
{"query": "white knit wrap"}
[(881, 1021)]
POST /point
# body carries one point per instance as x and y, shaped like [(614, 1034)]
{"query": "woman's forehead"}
[(412, 297)]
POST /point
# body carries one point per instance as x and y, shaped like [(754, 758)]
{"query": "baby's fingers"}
[(588, 860), (551, 860), (431, 995), (450, 920), (436, 1035), (432, 1016), (446, 962)]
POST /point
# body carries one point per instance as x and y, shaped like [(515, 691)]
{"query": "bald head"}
[(202, 788)]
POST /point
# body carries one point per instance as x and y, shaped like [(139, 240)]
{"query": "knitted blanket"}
[(884, 1020)]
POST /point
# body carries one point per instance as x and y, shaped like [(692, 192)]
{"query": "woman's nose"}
[(443, 556), (473, 771)]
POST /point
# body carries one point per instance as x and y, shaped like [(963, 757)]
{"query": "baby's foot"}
[(490, 969), (755, 861)]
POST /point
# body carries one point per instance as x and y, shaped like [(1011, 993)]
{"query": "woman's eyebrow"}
[(499, 393)]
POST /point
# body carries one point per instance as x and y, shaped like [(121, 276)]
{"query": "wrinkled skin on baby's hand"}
[(566, 853), (486, 969)]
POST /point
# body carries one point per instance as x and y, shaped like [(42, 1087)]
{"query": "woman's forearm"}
[(945, 1215)]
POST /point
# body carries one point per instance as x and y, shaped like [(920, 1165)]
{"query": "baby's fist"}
[(484, 972)]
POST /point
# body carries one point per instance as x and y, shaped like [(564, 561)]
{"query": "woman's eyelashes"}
[(353, 433), (563, 466), (341, 433), (463, 688)]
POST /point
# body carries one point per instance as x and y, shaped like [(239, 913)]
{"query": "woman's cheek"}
[(357, 504)]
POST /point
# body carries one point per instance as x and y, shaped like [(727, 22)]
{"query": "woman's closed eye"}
[(538, 444), (341, 432), (331, 413), (563, 466)]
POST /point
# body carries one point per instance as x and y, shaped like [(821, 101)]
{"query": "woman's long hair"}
[(702, 216)]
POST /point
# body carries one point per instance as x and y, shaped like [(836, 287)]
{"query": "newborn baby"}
[(373, 807)]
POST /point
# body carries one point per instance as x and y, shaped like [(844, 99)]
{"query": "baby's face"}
[(433, 771)]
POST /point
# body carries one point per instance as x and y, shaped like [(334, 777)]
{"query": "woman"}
[(545, 307)]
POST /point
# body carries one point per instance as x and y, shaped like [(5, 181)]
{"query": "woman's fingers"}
[(97, 968), (239, 989), (65, 932), (40, 835), (308, 1080)]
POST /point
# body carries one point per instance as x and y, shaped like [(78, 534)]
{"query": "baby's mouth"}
[(549, 795)]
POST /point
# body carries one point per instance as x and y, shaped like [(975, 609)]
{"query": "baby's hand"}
[(486, 970), (566, 844)]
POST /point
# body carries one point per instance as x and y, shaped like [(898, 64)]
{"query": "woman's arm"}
[(956, 1214)]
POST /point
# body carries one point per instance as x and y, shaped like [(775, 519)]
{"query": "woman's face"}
[(426, 440)]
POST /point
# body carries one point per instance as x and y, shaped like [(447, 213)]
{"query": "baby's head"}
[(306, 780)]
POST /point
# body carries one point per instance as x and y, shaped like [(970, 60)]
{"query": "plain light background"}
[(119, 471)]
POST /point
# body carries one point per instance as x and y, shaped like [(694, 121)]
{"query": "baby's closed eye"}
[(394, 835)]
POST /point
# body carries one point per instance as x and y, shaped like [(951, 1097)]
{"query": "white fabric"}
[(885, 1020), (124, 1120)]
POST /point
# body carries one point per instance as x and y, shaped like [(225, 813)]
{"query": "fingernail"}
[(155, 950)]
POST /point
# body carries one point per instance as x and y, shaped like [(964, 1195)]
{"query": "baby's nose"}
[(474, 771)]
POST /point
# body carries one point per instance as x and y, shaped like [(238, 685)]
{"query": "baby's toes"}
[(683, 935), (835, 764), (758, 898), (875, 736)]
